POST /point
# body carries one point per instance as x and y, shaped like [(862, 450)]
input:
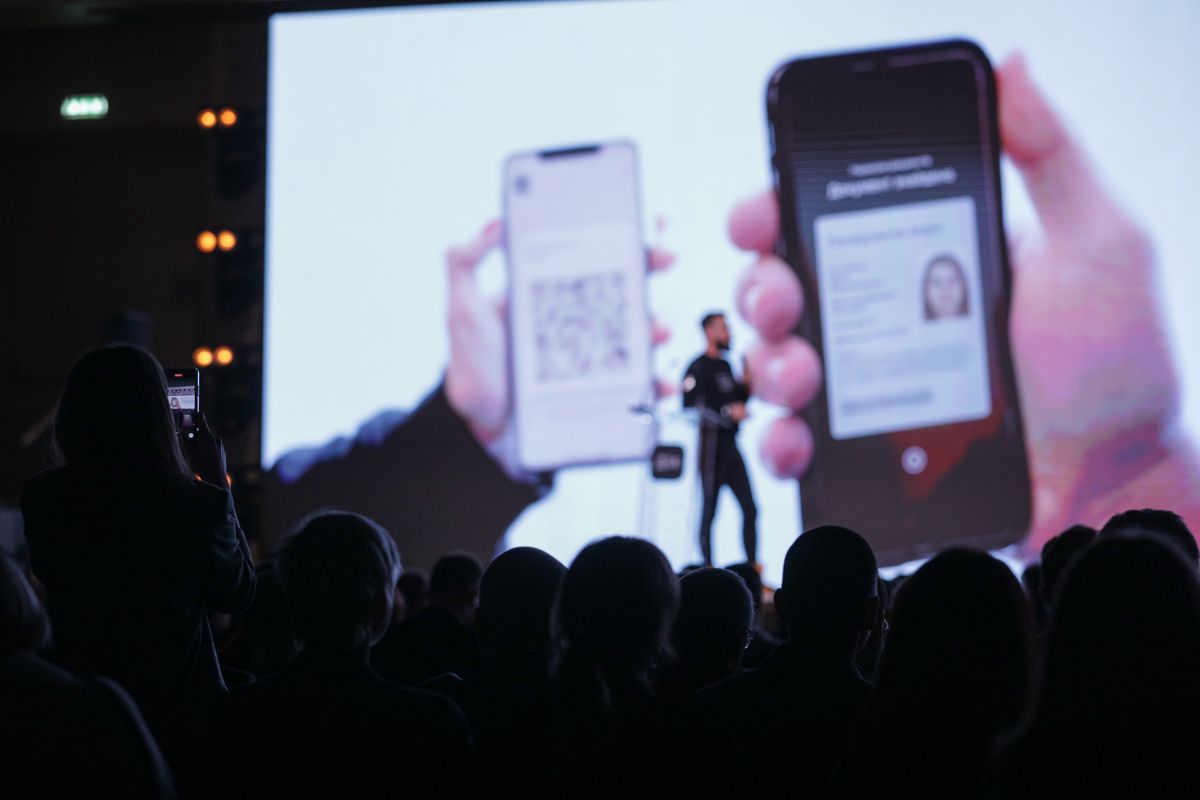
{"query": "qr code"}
[(580, 326)]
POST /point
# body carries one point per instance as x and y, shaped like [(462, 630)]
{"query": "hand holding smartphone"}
[(579, 331), (201, 447), (887, 176)]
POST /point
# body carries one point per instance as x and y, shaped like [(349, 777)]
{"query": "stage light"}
[(206, 242), (207, 118), (228, 117), (223, 355), (202, 357), (84, 106), (226, 240)]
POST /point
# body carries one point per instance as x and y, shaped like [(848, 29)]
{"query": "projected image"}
[(494, 233)]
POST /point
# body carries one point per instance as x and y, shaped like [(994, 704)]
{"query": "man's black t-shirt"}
[(709, 383)]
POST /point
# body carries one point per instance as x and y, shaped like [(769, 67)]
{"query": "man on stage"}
[(710, 386)]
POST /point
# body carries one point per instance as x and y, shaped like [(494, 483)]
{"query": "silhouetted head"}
[(715, 615), (959, 648), (1124, 639), (339, 571), (617, 603), (716, 331), (413, 586), (113, 414), (1155, 522), (829, 586), (516, 602), (1117, 705), (454, 585), (868, 655), (267, 624), (748, 572), (1057, 554), (24, 626)]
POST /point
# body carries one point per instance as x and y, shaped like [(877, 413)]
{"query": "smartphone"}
[(579, 330), (183, 396), (887, 170)]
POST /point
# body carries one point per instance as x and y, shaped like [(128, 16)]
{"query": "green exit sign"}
[(84, 106)]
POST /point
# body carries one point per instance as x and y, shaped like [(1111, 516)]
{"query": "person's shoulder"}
[(249, 696), (259, 687), (43, 485), (417, 699), (435, 710), (30, 674), (730, 691), (440, 717)]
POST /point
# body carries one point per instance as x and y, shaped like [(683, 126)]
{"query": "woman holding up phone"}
[(135, 547)]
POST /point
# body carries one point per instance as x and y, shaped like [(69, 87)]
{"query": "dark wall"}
[(98, 218)]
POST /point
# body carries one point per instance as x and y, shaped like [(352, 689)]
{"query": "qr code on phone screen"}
[(580, 327)]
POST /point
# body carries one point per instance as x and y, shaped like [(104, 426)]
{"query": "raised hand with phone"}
[(556, 373), (1096, 384), (204, 451)]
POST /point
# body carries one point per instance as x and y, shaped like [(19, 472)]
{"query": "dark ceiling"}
[(43, 14)]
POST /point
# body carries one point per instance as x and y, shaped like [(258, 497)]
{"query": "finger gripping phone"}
[(579, 336), (183, 396), (887, 171)]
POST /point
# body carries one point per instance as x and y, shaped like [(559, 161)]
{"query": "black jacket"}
[(132, 566), (329, 726), (792, 718), (62, 736)]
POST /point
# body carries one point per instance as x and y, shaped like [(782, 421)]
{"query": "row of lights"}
[(205, 357), (207, 241), (83, 106), (95, 106), (209, 118)]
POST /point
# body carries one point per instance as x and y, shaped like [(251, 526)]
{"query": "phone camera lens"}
[(521, 184)]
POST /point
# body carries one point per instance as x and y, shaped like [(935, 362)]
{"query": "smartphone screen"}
[(578, 324), (183, 396), (887, 168)]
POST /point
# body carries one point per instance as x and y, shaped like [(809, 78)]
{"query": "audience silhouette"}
[(510, 701), (1156, 522), (793, 716), (439, 638), (711, 633), (63, 736), (329, 725), (615, 611), (133, 551), (955, 674), (1057, 554), (609, 678), (1117, 710), (762, 641)]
